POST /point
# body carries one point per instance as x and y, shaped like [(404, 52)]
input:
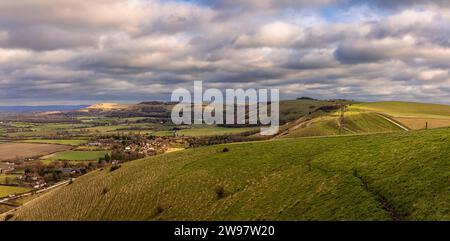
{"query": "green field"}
[(406, 109), (8, 190), (197, 131), (57, 127), (62, 142), (213, 130), (40, 130), (355, 122), (4, 176), (395, 176), (121, 128), (76, 155)]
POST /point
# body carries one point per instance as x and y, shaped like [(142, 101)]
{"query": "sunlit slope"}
[(412, 115), (406, 109), (290, 110), (396, 176), (355, 122)]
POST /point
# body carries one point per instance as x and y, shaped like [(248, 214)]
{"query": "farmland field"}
[(11, 151), (421, 123), (3, 177), (8, 190), (412, 115), (205, 131), (120, 128), (210, 131), (407, 109), (61, 142), (332, 178), (76, 155)]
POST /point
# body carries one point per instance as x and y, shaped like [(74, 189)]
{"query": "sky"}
[(83, 52)]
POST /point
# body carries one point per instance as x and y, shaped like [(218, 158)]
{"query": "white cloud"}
[(127, 50)]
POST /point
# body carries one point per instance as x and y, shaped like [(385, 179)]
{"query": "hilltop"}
[(395, 176), (410, 114), (406, 109), (106, 106)]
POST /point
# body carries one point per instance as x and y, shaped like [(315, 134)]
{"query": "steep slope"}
[(291, 110), (396, 176), (355, 122)]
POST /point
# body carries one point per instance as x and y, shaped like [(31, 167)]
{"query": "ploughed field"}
[(389, 176), (12, 151)]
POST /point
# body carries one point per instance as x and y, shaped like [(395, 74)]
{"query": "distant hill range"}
[(106, 106), (302, 117), (40, 108)]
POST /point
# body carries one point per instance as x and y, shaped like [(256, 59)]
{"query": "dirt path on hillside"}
[(393, 122)]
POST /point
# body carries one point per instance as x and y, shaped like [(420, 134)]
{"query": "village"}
[(35, 174)]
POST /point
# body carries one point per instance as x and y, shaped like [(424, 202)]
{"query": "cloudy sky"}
[(72, 51)]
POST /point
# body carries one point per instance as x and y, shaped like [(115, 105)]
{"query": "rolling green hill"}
[(406, 109), (291, 110), (412, 115), (356, 122), (395, 176)]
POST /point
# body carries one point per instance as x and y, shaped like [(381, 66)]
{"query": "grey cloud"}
[(266, 4), (398, 4), (140, 52), (315, 59), (42, 38), (346, 54)]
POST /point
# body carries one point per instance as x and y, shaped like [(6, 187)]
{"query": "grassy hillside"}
[(406, 109), (396, 176), (291, 110), (355, 122), (412, 115)]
